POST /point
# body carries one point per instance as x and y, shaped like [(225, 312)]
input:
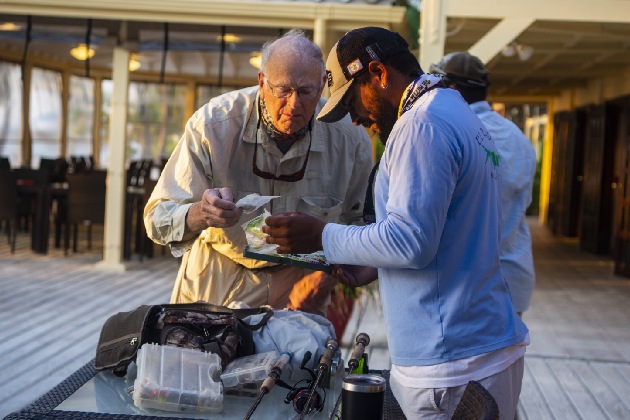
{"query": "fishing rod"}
[(324, 366), (360, 344), (270, 381)]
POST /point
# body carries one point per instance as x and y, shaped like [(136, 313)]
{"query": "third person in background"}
[(467, 74)]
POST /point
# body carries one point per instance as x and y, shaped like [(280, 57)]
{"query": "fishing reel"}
[(298, 394)]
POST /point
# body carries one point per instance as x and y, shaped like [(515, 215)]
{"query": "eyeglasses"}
[(294, 177), (304, 92)]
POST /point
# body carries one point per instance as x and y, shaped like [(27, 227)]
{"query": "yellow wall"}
[(597, 92)]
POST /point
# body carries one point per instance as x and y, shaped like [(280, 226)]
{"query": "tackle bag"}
[(203, 326)]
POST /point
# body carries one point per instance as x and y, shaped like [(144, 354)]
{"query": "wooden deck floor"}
[(578, 365), (52, 308)]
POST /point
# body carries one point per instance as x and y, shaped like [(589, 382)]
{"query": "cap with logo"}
[(350, 57), (462, 68)]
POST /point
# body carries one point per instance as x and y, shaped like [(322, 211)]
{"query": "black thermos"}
[(362, 397)]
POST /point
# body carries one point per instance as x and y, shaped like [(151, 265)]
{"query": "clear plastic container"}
[(249, 369), (177, 379)]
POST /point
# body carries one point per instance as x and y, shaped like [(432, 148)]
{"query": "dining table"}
[(43, 196), (92, 394)]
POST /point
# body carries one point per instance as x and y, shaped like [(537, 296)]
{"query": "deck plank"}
[(601, 389), (550, 387), (617, 376), (57, 306), (588, 407), (532, 403)]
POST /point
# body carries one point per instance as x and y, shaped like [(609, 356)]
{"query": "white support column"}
[(116, 180), (320, 31), (319, 34), (96, 121), (432, 32)]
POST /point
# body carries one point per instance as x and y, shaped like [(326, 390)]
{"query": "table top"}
[(88, 394)]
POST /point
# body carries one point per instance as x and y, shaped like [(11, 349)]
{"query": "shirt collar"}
[(481, 106)]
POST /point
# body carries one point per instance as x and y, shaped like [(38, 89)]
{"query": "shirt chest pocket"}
[(325, 208)]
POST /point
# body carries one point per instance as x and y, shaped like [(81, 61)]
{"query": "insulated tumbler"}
[(362, 397)]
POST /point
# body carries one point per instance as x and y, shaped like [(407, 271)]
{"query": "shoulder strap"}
[(260, 324), (238, 313)]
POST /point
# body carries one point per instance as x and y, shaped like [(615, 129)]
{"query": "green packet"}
[(255, 236), (315, 261)]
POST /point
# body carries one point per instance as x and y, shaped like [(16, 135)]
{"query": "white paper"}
[(252, 202)]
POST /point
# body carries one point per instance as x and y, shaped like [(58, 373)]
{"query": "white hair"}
[(294, 42)]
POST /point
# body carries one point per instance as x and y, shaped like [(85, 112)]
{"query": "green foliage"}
[(412, 21)]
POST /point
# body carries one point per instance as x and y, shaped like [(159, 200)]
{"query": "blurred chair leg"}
[(139, 224), (75, 237), (13, 233), (60, 220), (66, 238), (149, 245), (57, 234), (89, 235), (127, 227)]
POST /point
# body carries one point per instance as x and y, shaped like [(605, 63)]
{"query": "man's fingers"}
[(226, 194), (216, 197)]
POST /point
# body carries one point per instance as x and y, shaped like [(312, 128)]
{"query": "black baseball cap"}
[(462, 68), (350, 57)]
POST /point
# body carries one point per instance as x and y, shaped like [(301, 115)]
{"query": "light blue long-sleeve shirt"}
[(518, 167), (436, 239)]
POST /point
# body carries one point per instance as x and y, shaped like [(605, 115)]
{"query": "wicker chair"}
[(86, 204), (9, 209)]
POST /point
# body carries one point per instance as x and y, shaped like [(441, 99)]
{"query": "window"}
[(80, 112), (11, 112), (45, 115), (155, 120), (207, 92)]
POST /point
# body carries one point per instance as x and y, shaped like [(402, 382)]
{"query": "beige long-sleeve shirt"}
[(215, 151)]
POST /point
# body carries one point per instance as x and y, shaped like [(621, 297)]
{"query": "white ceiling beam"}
[(498, 37), (237, 13), (558, 10)]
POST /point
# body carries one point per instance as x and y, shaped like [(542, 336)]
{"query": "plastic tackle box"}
[(178, 379), (248, 369)]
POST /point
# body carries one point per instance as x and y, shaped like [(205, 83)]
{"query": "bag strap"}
[(199, 306), (239, 313), (260, 324)]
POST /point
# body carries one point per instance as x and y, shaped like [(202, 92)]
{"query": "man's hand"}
[(216, 209), (354, 275), (294, 233)]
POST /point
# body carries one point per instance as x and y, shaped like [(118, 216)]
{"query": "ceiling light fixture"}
[(229, 38), (524, 52), (134, 62), (82, 52), (256, 60), (9, 26)]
